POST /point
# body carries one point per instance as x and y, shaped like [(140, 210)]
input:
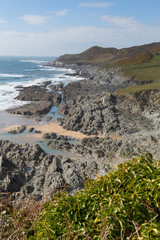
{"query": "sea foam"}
[(6, 75), (21, 76)]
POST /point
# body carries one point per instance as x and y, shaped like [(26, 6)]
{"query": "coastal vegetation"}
[(125, 204)]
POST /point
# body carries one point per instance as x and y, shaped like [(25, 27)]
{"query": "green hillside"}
[(101, 56), (142, 63)]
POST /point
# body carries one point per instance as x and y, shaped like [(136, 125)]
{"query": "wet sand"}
[(8, 120), (50, 128)]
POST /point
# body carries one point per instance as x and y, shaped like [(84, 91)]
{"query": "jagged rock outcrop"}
[(28, 170), (34, 109), (111, 112), (41, 100)]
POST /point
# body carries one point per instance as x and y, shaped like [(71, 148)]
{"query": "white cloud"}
[(2, 21), (35, 19), (95, 4), (62, 12), (122, 22), (76, 39)]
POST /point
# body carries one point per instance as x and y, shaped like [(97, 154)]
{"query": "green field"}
[(145, 71), (146, 75)]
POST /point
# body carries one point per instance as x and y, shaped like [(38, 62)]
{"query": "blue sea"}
[(27, 71)]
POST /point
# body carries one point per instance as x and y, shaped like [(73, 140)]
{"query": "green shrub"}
[(125, 204)]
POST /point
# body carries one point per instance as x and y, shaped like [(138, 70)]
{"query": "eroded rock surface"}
[(28, 170), (41, 100)]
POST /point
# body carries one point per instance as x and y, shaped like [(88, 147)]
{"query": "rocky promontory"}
[(40, 99)]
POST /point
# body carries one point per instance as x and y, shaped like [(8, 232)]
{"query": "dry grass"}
[(17, 216)]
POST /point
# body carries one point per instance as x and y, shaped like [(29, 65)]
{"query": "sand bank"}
[(50, 128)]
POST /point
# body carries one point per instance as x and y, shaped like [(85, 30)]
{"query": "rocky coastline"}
[(31, 172), (128, 124)]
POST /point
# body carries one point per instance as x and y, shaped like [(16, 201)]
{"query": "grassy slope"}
[(149, 71), (123, 205), (147, 75)]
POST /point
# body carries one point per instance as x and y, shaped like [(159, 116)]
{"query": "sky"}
[(56, 27)]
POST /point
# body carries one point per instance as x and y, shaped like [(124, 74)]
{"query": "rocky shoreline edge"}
[(130, 124)]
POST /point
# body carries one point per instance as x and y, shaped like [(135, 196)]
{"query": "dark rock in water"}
[(72, 74), (42, 100), (50, 136), (38, 131), (38, 118), (19, 129), (48, 119), (30, 129), (34, 93), (19, 87), (39, 93), (34, 109)]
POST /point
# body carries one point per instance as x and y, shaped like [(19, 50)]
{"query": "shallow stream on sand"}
[(8, 120)]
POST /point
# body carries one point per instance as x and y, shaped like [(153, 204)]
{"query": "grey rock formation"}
[(34, 109), (41, 100), (28, 170)]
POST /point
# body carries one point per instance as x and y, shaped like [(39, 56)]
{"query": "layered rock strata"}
[(29, 171)]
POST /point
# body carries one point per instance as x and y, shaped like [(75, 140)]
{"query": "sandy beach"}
[(50, 128)]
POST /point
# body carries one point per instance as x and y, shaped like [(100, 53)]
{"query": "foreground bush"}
[(125, 204)]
